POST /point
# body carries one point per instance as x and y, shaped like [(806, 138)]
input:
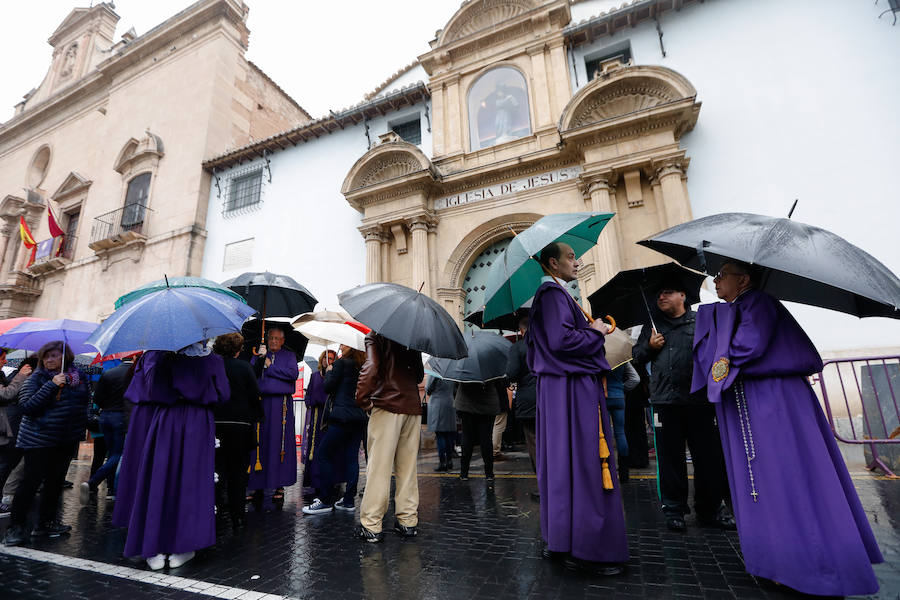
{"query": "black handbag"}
[(326, 411)]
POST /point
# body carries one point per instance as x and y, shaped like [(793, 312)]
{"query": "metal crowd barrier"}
[(861, 398)]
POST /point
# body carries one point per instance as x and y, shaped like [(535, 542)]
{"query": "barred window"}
[(244, 191), (410, 131)]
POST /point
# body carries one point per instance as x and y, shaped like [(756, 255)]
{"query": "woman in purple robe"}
[(275, 459), (799, 518), (166, 493), (580, 515), (314, 398)]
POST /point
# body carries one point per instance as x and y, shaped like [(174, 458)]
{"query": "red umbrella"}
[(114, 356), (7, 324)]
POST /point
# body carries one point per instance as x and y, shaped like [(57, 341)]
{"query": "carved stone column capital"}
[(667, 167), (372, 234)]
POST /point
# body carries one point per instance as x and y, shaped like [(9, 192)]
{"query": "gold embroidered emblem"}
[(720, 369)]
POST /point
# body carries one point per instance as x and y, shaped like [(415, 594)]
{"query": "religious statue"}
[(69, 60)]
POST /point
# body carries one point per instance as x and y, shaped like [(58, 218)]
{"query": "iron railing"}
[(867, 392), (129, 218)]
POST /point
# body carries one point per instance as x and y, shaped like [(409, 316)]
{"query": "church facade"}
[(521, 108), (111, 143)]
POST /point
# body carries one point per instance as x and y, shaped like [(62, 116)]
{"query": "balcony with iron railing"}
[(120, 227), (53, 253)]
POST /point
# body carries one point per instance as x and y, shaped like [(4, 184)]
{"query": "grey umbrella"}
[(486, 360), (800, 263), (405, 316)]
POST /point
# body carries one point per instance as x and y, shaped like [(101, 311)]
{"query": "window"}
[(498, 108), (244, 190), (136, 202), (594, 65), (410, 131), (68, 250), (238, 255)]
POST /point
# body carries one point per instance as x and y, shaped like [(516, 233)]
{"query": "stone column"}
[(418, 226), (540, 90), (373, 255), (438, 109), (453, 120), (5, 234), (607, 258), (432, 256), (10, 254), (560, 86), (675, 203)]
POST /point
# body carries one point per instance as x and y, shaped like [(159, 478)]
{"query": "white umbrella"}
[(320, 329)]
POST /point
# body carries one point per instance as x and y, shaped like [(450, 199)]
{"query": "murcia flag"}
[(55, 231)]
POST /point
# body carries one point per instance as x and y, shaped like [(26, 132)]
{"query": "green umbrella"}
[(515, 278), (175, 282)]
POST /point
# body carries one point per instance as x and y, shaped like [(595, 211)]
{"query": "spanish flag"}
[(27, 239)]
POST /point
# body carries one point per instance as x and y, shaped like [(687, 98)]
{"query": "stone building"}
[(112, 142), (522, 108)]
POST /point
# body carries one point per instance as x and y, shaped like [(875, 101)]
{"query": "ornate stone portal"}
[(613, 146)]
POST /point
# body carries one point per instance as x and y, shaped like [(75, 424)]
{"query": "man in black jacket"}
[(679, 416), (526, 388)]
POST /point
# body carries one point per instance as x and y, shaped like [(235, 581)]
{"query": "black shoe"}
[(722, 521), (599, 568), (463, 476), (535, 496), (441, 468), (623, 471), (548, 554), (51, 528), (369, 536), (68, 485), (676, 523), (405, 531), (15, 535)]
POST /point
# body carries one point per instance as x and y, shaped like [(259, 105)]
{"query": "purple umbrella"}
[(32, 335)]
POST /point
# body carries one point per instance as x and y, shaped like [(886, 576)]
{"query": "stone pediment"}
[(73, 184), (390, 160), (623, 92), (476, 15), (151, 145)]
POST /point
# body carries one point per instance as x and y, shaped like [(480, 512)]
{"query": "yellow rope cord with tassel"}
[(604, 455), (258, 465), (283, 423)]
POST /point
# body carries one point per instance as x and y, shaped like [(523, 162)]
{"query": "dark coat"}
[(244, 405), (10, 415), (526, 383), (340, 382), (480, 398), (390, 377), (441, 415), (47, 421), (671, 367), (110, 392)]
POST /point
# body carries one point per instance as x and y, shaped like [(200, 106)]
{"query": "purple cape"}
[(166, 490), (312, 429), (806, 529), (568, 357), (276, 432)]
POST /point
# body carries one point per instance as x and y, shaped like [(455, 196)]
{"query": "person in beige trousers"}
[(388, 388)]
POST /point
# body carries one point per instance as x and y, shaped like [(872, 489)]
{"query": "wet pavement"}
[(474, 542)]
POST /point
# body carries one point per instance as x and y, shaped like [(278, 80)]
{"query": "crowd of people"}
[(202, 428)]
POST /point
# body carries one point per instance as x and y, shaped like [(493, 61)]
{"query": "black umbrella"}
[(405, 316), (252, 330), (312, 362), (507, 322), (800, 263), (629, 295), (273, 295), (486, 360)]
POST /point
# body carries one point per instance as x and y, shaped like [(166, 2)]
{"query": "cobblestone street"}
[(474, 542)]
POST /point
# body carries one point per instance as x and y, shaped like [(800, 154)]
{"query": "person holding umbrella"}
[(680, 416), (277, 371), (799, 518), (582, 517), (54, 405), (313, 424)]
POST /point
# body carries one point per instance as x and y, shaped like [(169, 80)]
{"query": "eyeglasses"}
[(723, 275)]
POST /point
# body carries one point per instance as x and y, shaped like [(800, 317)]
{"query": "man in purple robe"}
[(799, 518), (314, 398), (582, 520), (166, 491), (277, 450)]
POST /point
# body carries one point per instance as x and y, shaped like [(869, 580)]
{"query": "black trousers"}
[(480, 429), (636, 431), (100, 451), (41, 464), (696, 426), (9, 460), (236, 440), (528, 428)]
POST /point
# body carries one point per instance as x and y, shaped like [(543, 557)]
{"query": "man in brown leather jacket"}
[(389, 388)]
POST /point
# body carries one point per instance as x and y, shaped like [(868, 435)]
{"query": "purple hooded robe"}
[(799, 518), (276, 433)]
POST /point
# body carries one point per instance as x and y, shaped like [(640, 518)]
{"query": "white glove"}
[(262, 350)]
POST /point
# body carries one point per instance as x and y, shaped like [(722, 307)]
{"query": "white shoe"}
[(176, 560), (84, 492), (157, 562)]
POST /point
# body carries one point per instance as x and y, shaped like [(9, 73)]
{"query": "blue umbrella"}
[(34, 334), (170, 319), (171, 282)]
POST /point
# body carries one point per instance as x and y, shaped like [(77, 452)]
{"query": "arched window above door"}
[(498, 108)]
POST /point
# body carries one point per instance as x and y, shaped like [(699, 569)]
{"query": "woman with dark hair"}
[(338, 458), (314, 398), (54, 405), (236, 422), (477, 404), (166, 492)]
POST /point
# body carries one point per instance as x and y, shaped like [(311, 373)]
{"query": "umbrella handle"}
[(612, 323)]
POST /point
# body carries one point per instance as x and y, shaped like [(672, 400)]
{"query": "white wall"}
[(304, 227), (799, 100)]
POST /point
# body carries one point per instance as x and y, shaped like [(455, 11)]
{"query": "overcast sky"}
[(326, 55)]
